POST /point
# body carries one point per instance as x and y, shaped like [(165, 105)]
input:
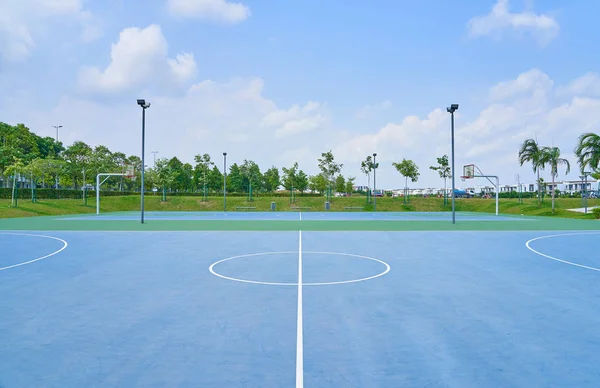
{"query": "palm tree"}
[(551, 156), (530, 151), (588, 151)]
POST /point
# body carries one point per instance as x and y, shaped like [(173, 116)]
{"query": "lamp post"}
[(56, 127), (144, 105), (374, 181), (453, 108), (154, 154), (224, 181)]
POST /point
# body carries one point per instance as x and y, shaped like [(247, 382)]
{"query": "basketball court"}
[(298, 299)]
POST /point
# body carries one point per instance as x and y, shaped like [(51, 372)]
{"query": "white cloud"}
[(586, 85), (296, 120), (532, 81), (500, 21), (23, 22), (217, 10), (368, 110), (236, 117), (525, 109), (137, 59)]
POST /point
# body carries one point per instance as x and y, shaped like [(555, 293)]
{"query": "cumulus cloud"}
[(501, 22), (236, 117), (369, 110), (524, 108), (22, 22), (216, 10), (296, 119), (586, 85), (137, 59)]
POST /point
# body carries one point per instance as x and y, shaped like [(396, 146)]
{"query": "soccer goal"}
[(129, 174), (469, 173)]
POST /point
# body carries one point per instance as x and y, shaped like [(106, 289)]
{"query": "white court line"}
[(39, 258), (300, 216), (557, 259), (299, 341)]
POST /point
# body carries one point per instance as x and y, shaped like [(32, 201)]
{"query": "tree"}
[(408, 169), (289, 177), (551, 157), (329, 168), (301, 181), (15, 170), (165, 175), (349, 185), (531, 152), (340, 184), (444, 171), (77, 157), (366, 166), (251, 176), (215, 180), (235, 179), (202, 169), (271, 179), (588, 151), (317, 183)]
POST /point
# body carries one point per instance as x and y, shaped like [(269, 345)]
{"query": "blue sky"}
[(279, 82)]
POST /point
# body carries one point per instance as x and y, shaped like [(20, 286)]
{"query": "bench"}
[(299, 208), (245, 208), (353, 208)]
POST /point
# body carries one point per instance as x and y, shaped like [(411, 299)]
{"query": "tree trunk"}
[(553, 190), (539, 188)]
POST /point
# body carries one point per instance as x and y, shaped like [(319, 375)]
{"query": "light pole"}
[(224, 181), (453, 108), (144, 105), (374, 181), (154, 154), (56, 127)]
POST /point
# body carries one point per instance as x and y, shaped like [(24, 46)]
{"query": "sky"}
[(280, 82)]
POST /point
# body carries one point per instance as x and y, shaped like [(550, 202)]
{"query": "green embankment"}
[(529, 207)]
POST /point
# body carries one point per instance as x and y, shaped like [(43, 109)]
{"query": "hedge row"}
[(6, 193)]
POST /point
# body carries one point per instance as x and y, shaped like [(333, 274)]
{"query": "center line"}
[(299, 341)]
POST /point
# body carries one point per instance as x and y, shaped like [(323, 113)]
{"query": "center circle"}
[(383, 263)]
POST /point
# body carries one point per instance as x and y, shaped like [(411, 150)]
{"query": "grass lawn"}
[(153, 203)]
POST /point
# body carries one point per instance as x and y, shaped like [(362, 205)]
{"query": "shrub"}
[(596, 212)]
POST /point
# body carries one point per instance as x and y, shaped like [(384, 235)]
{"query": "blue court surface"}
[(299, 216), (299, 309)]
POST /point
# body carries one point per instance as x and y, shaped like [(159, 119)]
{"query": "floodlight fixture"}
[(141, 102), (453, 108)]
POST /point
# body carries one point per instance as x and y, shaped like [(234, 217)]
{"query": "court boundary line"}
[(386, 265), (557, 259), (65, 245), (299, 328)]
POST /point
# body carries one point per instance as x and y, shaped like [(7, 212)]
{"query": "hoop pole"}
[(497, 186), (97, 194), (497, 193), (98, 183)]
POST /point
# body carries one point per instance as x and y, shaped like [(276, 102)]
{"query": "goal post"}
[(469, 173), (129, 173)]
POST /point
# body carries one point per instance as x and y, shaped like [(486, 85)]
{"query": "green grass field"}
[(152, 203)]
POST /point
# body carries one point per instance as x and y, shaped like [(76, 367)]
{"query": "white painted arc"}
[(555, 258), (304, 284), (65, 244), (299, 329)]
